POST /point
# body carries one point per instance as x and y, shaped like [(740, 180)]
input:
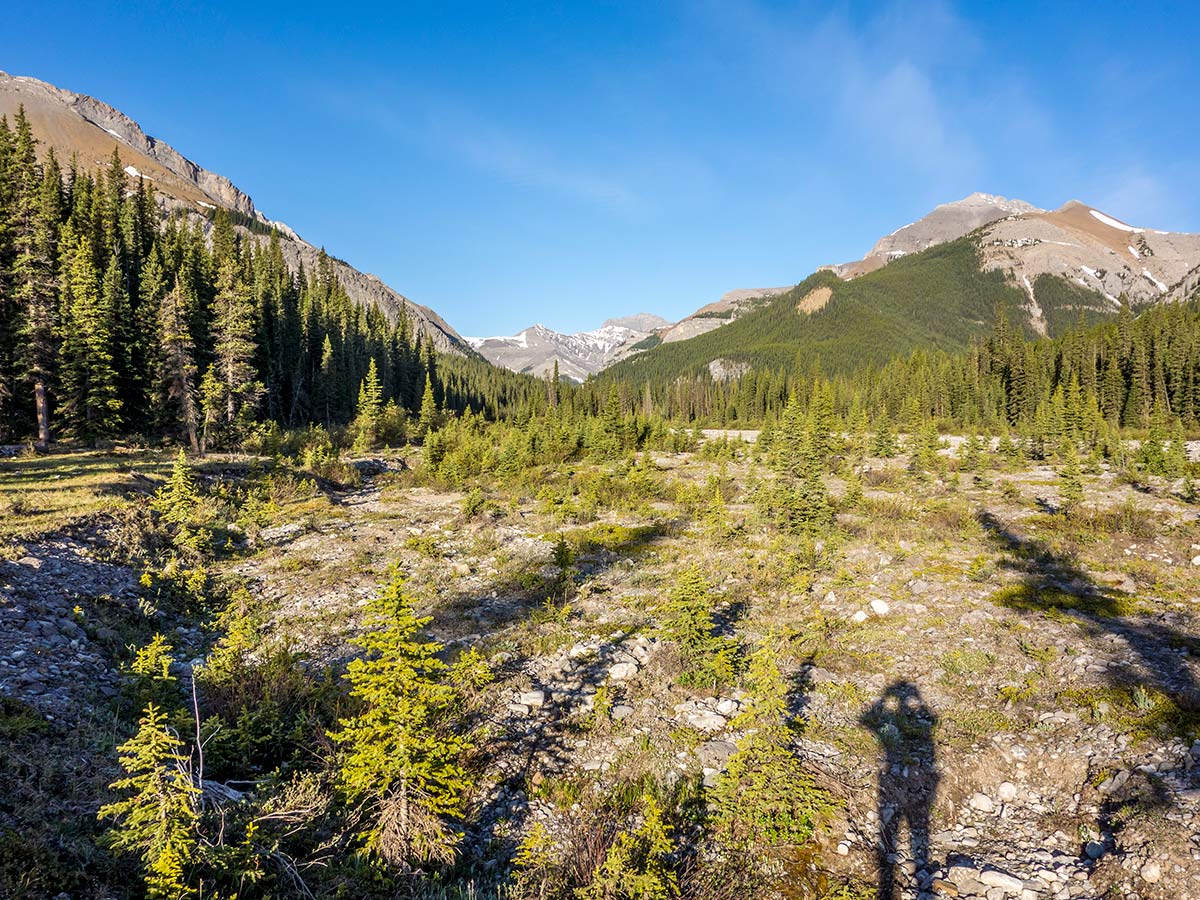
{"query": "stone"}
[(533, 698), (1151, 872), (1093, 849), (727, 707), (1007, 791), (880, 607), (581, 650), (713, 754), (981, 803), (1196, 560), (1010, 884), (623, 671), (961, 874), (703, 720), (621, 711), (943, 888), (859, 617)]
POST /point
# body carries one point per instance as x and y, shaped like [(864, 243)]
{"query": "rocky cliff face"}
[(79, 126), (1077, 242), (535, 350), (947, 222)]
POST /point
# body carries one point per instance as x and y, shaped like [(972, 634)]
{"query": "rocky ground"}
[(1003, 702)]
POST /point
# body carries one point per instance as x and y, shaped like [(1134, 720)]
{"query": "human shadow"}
[(903, 724)]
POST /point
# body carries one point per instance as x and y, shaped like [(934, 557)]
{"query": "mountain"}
[(536, 349), (1077, 244), (732, 305), (936, 284), (82, 127), (947, 222)]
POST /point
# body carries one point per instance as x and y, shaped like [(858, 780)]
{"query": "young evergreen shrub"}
[(1070, 490), (637, 864), (686, 620), (158, 819), (765, 798), (402, 753)]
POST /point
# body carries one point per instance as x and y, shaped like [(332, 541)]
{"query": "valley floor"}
[(1003, 701)]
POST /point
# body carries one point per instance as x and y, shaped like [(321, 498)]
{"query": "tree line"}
[(120, 318), (1129, 372)]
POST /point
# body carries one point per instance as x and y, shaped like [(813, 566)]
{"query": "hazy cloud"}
[(441, 126)]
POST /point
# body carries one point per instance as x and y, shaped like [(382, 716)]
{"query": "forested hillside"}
[(937, 299), (1126, 372), (116, 321)]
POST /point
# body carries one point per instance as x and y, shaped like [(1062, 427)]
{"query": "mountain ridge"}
[(76, 124)]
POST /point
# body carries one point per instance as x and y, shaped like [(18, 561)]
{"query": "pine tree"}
[(36, 292), (176, 363), (403, 757), (233, 330), (91, 403), (158, 820)]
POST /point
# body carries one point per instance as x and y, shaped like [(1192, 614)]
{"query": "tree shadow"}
[(1052, 583), (1157, 673), (538, 742), (904, 724)]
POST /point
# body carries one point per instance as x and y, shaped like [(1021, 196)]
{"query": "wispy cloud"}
[(874, 82), (441, 126)]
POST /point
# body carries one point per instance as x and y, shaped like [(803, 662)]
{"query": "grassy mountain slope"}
[(938, 298)]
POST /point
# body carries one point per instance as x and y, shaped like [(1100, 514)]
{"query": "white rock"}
[(727, 707), (859, 617), (533, 698), (1007, 791), (1010, 884), (702, 720), (880, 607), (623, 671), (1196, 560), (1151, 872), (621, 712), (961, 874), (981, 802)]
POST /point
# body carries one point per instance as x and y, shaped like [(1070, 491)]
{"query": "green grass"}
[(43, 494), (1031, 598)]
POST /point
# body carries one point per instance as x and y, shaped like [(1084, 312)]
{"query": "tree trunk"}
[(43, 414)]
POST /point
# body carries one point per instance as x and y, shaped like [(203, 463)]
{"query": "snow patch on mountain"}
[(536, 349), (1111, 222)]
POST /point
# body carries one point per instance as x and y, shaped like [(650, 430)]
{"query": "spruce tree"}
[(176, 363), (91, 403), (158, 819), (36, 292), (1070, 489), (764, 798), (427, 418), (402, 756), (370, 409), (233, 330)]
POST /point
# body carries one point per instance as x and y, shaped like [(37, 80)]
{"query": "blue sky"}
[(512, 163)]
